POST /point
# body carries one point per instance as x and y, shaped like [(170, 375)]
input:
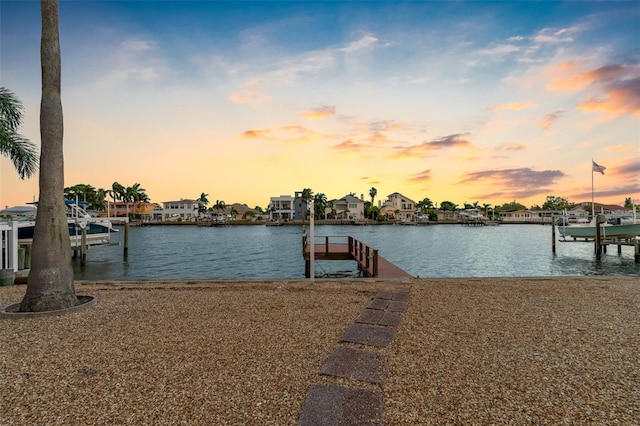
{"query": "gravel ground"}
[(470, 351), (517, 351)]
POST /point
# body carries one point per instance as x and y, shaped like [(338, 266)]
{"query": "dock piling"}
[(553, 235), (126, 239), (83, 247)]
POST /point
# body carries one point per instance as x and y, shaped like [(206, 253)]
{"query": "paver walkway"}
[(374, 329)]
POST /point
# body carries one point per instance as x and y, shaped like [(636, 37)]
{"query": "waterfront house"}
[(579, 214), (349, 207), (447, 215), (399, 207), (281, 208), (183, 209), (127, 209), (518, 216)]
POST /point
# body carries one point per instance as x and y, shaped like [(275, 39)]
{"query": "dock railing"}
[(336, 247), (366, 256)]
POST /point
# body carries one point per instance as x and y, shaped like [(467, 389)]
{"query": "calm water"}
[(261, 252)]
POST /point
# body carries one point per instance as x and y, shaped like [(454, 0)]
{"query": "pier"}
[(370, 263)]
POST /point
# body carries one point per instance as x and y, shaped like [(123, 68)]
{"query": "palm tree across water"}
[(202, 204), (319, 205), (22, 153), (219, 205), (372, 193)]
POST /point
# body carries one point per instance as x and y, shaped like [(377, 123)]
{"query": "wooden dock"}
[(370, 263)]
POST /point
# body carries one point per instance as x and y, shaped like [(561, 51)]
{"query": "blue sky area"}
[(457, 101)]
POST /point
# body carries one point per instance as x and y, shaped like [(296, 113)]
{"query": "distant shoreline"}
[(338, 222)]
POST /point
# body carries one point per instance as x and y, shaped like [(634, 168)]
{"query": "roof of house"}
[(604, 206), (185, 200), (397, 194), (351, 199)]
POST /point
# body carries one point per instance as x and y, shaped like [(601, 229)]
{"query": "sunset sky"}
[(459, 101)]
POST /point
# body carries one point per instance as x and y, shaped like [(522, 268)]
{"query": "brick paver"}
[(371, 335), (356, 364), (341, 406), (370, 316)]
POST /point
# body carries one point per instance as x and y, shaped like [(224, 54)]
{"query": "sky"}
[(455, 101)]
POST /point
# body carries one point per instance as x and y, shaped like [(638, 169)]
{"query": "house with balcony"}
[(349, 207), (399, 207), (128, 209), (183, 209), (282, 208)]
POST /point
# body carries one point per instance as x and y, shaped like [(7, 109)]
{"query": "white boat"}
[(623, 231), (98, 230), (607, 230)]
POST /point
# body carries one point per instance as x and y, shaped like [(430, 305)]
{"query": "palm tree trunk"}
[(50, 283)]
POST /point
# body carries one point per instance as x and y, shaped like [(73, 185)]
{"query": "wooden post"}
[(367, 258), (304, 243), (83, 246), (326, 244), (553, 234), (375, 263), (126, 240), (637, 250), (598, 247)]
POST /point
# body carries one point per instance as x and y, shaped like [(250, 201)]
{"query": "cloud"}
[(135, 61), (317, 61), (618, 190), (257, 134), (248, 95), (545, 122), (285, 134), (632, 168), (136, 45), (499, 50), (550, 35), (515, 147), (420, 177), (320, 112), (349, 146), (367, 41), (386, 126), (620, 148), (308, 63), (614, 88), (514, 106), (451, 141), (516, 183), (621, 96)]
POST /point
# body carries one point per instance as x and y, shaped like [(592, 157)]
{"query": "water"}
[(261, 252)]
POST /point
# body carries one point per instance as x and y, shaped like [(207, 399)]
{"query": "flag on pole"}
[(598, 168)]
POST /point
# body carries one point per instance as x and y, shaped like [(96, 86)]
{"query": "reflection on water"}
[(260, 252)]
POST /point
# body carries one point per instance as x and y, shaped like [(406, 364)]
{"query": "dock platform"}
[(370, 263)]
